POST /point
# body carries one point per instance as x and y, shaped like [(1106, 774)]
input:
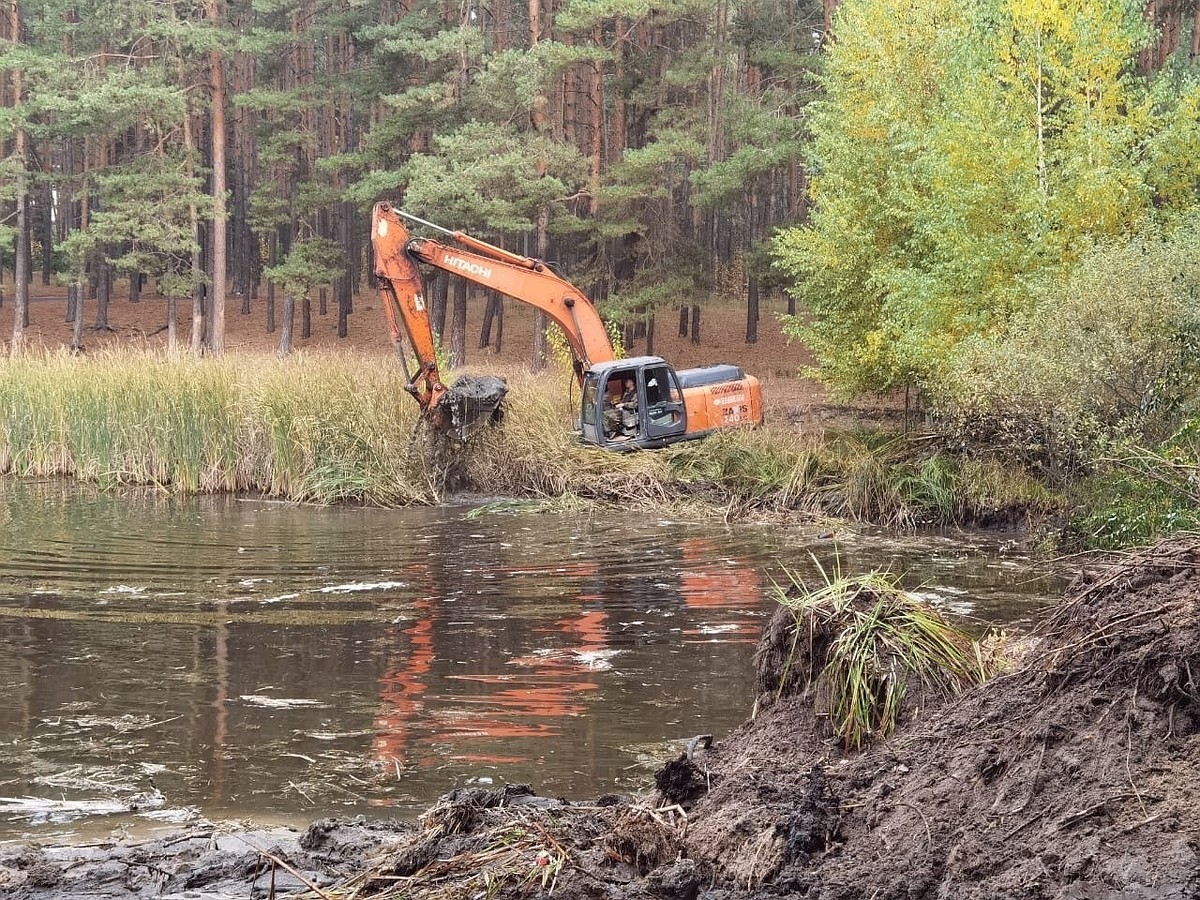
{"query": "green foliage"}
[(966, 152), (1111, 351), (148, 217), (313, 261), (1140, 494), (484, 175)]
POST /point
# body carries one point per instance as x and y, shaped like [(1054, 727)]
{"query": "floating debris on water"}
[(356, 586), (281, 702)]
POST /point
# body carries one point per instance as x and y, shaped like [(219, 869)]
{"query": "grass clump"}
[(861, 647)]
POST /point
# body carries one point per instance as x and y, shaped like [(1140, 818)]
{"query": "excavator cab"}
[(632, 403)]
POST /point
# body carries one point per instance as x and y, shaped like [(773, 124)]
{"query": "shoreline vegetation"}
[(330, 428)]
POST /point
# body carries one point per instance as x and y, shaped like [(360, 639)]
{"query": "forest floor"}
[(777, 361), (1072, 776)]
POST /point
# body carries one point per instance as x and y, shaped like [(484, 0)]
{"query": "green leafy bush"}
[(1109, 354), (1141, 495)]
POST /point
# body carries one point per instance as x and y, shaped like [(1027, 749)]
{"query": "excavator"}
[(635, 403)]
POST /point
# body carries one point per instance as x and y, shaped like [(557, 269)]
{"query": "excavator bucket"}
[(471, 403)]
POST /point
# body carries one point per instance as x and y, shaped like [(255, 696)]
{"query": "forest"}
[(227, 150)]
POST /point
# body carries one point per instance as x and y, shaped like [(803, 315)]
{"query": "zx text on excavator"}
[(639, 402)]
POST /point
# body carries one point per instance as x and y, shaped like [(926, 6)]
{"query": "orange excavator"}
[(640, 402)]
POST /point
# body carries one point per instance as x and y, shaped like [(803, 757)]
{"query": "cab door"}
[(590, 411), (665, 415)]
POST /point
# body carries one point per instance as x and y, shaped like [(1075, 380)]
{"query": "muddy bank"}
[(1073, 776)]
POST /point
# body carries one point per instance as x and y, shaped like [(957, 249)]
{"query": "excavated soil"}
[(1074, 776)]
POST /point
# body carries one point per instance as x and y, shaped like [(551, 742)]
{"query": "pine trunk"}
[(219, 245), (540, 321), (489, 317), (441, 297), (752, 311), (47, 230), (828, 8), (695, 323), (272, 260), (597, 110), (1195, 54), (20, 185), (541, 237), (77, 327), (194, 225), (287, 325), (103, 292), (498, 345)]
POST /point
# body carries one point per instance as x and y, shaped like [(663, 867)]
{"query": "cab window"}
[(661, 386)]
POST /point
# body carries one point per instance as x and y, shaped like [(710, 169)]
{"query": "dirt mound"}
[(1071, 777)]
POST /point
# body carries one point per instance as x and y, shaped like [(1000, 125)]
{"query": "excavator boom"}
[(525, 279)]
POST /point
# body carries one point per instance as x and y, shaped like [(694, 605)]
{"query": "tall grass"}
[(328, 428), (317, 429)]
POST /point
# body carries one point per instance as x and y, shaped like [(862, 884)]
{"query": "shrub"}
[(1109, 353), (1141, 495)]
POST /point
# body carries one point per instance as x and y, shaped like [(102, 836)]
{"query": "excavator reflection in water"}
[(526, 705), (499, 718), (663, 406)]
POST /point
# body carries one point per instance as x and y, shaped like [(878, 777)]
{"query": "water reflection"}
[(256, 659)]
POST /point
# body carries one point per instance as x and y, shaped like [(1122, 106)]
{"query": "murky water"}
[(245, 659)]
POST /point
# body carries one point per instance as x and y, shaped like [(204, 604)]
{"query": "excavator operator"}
[(621, 418)]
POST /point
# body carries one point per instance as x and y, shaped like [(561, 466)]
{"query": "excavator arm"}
[(403, 295), (527, 280)]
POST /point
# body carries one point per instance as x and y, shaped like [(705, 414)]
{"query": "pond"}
[(234, 658)]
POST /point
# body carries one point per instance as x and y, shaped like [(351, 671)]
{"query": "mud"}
[(472, 403), (1073, 777)]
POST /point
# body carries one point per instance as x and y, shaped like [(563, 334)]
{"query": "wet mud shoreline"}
[(1073, 776)]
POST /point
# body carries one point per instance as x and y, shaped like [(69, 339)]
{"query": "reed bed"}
[(327, 428), (310, 429)]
